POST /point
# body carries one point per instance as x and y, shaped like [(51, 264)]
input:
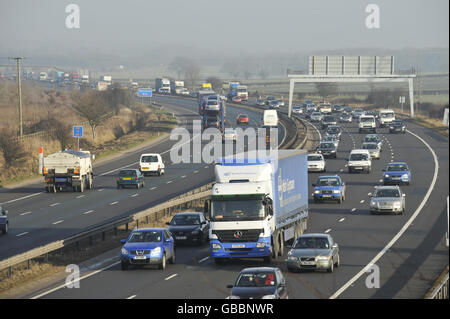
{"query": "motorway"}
[(409, 249), (37, 218)]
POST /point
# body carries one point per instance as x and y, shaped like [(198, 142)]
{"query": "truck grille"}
[(232, 236)]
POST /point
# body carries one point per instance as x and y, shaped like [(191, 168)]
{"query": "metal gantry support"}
[(297, 78)]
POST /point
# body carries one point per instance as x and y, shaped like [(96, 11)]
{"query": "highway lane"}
[(360, 236), (43, 218)]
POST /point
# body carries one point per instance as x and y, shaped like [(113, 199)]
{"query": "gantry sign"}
[(352, 69)]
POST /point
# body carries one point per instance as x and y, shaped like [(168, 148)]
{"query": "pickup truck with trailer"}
[(68, 169), (257, 204)]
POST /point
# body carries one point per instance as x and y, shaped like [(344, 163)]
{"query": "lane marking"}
[(195, 172), (184, 176), (54, 204), (58, 222), (341, 220), (113, 203), (22, 234), (328, 230), (88, 212), (134, 195), (362, 201), (132, 297), (403, 229), (101, 189), (26, 213), (169, 182), (353, 209), (202, 260), (20, 198), (170, 277), (81, 196)]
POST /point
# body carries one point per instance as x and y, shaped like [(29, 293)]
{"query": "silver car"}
[(314, 252), (387, 199), (331, 138), (373, 148), (316, 116)]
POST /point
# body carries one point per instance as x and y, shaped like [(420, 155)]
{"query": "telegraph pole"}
[(19, 85)]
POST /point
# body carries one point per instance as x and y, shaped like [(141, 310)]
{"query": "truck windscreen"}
[(228, 210)]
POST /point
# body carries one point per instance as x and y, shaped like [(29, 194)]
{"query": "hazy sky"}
[(250, 26)]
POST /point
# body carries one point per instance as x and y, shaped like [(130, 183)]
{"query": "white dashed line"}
[(22, 234), (101, 189), (195, 172), (341, 220), (153, 188), (353, 210), (26, 213), (81, 196), (362, 201), (132, 297), (170, 277), (202, 260), (113, 203), (88, 212), (58, 222), (54, 204), (328, 230), (184, 176), (134, 195), (169, 182)]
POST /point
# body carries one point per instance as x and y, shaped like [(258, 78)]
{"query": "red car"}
[(237, 99), (242, 119)]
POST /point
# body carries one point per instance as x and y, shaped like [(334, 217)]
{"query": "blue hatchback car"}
[(397, 173), (329, 188), (148, 246)]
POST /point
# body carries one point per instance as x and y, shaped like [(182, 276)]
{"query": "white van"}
[(359, 161), (367, 123), (151, 163), (385, 117), (270, 118)]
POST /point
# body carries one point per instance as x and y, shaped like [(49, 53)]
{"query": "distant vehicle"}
[(325, 108), (269, 98), (212, 104), (189, 227), (68, 169), (329, 188), (345, 118), (43, 76), (373, 149), (106, 78), (397, 173), (280, 102), (4, 223), (387, 199), (130, 177), (385, 117), (337, 108), (327, 149), (372, 113), (328, 120), (316, 163), (357, 113), (334, 130), (242, 119), (270, 118), (314, 252), (397, 126), (148, 246), (308, 113), (102, 86), (162, 85), (367, 123), (259, 283), (241, 91), (316, 116), (274, 104), (359, 161), (348, 109), (229, 134), (176, 87), (185, 92), (297, 109), (260, 102), (374, 138), (237, 99), (331, 138), (311, 107), (151, 163), (206, 86)]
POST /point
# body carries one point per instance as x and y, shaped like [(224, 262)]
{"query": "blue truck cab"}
[(397, 173), (329, 188), (148, 246)]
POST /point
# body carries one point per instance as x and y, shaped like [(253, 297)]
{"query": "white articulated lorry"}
[(257, 205), (68, 169)]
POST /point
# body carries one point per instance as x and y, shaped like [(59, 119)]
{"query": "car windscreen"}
[(387, 193), (312, 243), (145, 237), (329, 119), (127, 173), (328, 182), (329, 138), (366, 119), (399, 123), (259, 279), (369, 146), (181, 220), (326, 145), (314, 158), (372, 139), (397, 167), (149, 159), (358, 157), (387, 115), (212, 102), (333, 130)]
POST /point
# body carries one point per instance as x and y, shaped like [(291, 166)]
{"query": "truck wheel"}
[(91, 183), (53, 189)]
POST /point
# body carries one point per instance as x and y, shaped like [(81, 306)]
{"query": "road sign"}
[(401, 99), (78, 131), (144, 92)]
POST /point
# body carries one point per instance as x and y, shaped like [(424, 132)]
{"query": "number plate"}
[(181, 237), (139, 257), (237, 246), (127, 179), (308, 263), (358, 167), (326, 195), (145, 168)]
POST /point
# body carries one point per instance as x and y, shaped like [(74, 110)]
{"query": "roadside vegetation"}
[(113, 120)]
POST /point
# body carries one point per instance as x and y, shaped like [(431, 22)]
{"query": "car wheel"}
[(172, 260), (138, 186), (162, 265), (338, 262), (331, 269), (123, 265), (340, 200)]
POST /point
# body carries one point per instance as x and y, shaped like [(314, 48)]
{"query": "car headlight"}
[(216, 246), (397, 204), (316, 192), (386, 175), (124, 251), (336, 192), (323, 257), (269, 297), (373, 203), (405, 176), (260, 245), (156, 251), (292, 258)]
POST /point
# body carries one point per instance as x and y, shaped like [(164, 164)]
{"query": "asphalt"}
[(407, 269)]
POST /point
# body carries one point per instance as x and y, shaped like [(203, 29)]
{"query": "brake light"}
[(76, 170), (118, 178), (159, 166), (44, 170), (135, 178)]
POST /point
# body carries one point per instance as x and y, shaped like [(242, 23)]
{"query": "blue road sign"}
[(77, 131), (145, 92)]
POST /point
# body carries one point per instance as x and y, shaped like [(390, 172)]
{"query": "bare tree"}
[(11, 149), (215, 82), (191, 72), (178, 65), (263, 74), (232, 68), (326, 89)]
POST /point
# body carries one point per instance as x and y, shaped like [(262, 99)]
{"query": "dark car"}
[(189, 227), (327, 149), (259, 283), (348, 109), (130, 177), (337, 108), (397, 126), (373, 113), (4, 223), (328, 120), (334, 130)]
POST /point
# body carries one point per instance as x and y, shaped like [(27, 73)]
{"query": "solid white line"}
[(54, 204), (170, 277), (195, 172), (132, 297), (113, 203), (20, 198), (88, 212), (404, 228), (22, 234), (75, 280), (26, 213), (202, 260), (58, 222)]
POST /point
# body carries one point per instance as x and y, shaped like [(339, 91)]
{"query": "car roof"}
[(359, 151), (259, 269), (330, 176), (388, 187), (149, 154), (392, 163), (150, 229), (189, 213), (315, 154), (313, 235)]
